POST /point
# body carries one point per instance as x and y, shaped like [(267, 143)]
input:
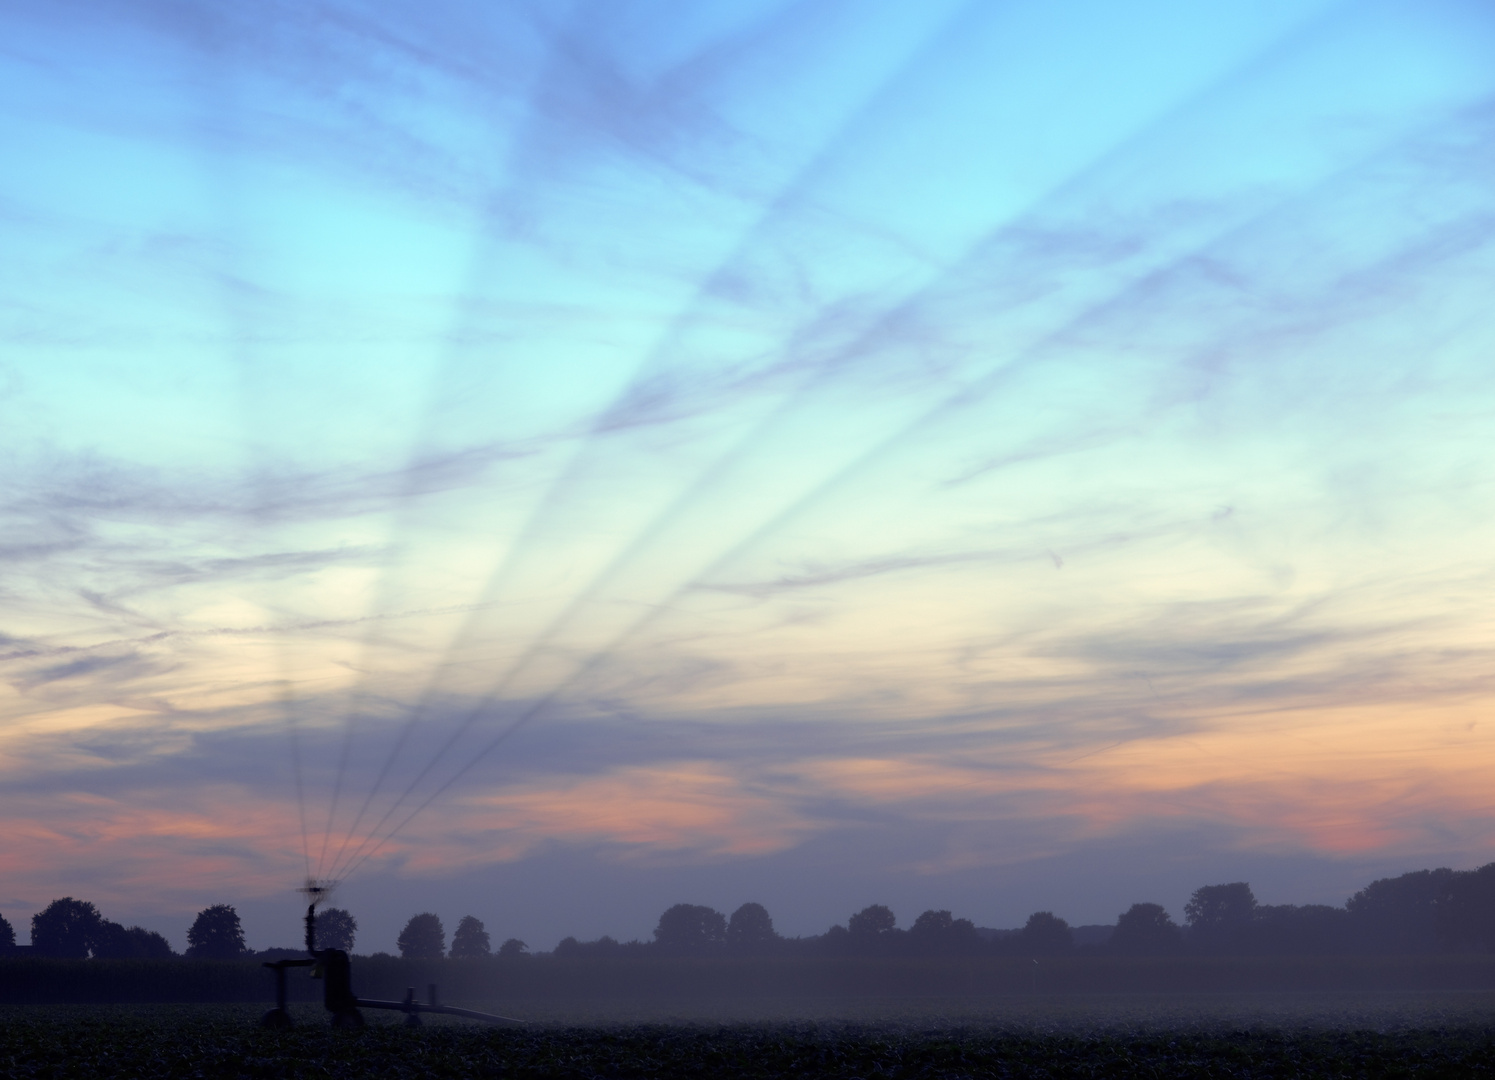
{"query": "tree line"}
[(1423, 911), (1420, 912), (69, 929)]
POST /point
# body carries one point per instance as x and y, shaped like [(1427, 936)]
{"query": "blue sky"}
[(987, 455)]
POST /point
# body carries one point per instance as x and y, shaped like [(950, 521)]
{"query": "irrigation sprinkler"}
[(335, 969)]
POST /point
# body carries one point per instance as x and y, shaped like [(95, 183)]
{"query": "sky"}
[(553, 460)]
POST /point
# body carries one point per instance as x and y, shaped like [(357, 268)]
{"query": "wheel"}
[(276, 1019), (348, 1020)]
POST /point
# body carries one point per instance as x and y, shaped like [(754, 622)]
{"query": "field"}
[(542, 980), (1256, 1035), (1083, 1016)]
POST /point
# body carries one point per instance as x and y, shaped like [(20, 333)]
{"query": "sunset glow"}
[(442, 438)]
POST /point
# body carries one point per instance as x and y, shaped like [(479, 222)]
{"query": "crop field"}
[(1344, 1035), (561, 983)]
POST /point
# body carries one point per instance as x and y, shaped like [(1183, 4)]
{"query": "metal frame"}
[(333, 967)]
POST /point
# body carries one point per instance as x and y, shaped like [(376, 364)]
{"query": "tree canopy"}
[(872, 921), (424, 938), (1417, 912), (1146, 930), (940, 932), (1465, 916), (336, 929), (1295, 929), (66, 928), (216, 934), (1400, 914), (750, 930), (471, 939), (691, 929), (1045, 934), (1218, 915), (115, 942)]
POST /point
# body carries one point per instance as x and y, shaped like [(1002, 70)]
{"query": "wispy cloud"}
[(699, 435)]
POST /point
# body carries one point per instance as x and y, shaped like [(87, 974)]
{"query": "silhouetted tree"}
[(837, 941), (873, 921), (470, 940), (66, 928), (940, 932), (150, 945), (931, 924), (1464, 913), (570, 947), (114, 942), (1145, 930), (750, 930), (1296, 930), (1218, 916), (691, 929), (424, 938), (512, 949), (1044, 934), (216, 934), (1399, 914), (7, 934), (336, 929)]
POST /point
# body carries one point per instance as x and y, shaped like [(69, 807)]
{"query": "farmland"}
[(1117, 1035), (1079, 1016), (847, 980)]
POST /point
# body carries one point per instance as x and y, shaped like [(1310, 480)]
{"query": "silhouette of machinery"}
[(333, 967)]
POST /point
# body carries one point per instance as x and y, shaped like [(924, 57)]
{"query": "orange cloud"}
[(148, 845), (1333, 781), (698, 806)]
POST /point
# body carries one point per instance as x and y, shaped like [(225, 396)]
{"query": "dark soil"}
[(203, 1042)]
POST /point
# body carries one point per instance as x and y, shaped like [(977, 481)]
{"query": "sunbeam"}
[(717, 476), (612, 435)]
